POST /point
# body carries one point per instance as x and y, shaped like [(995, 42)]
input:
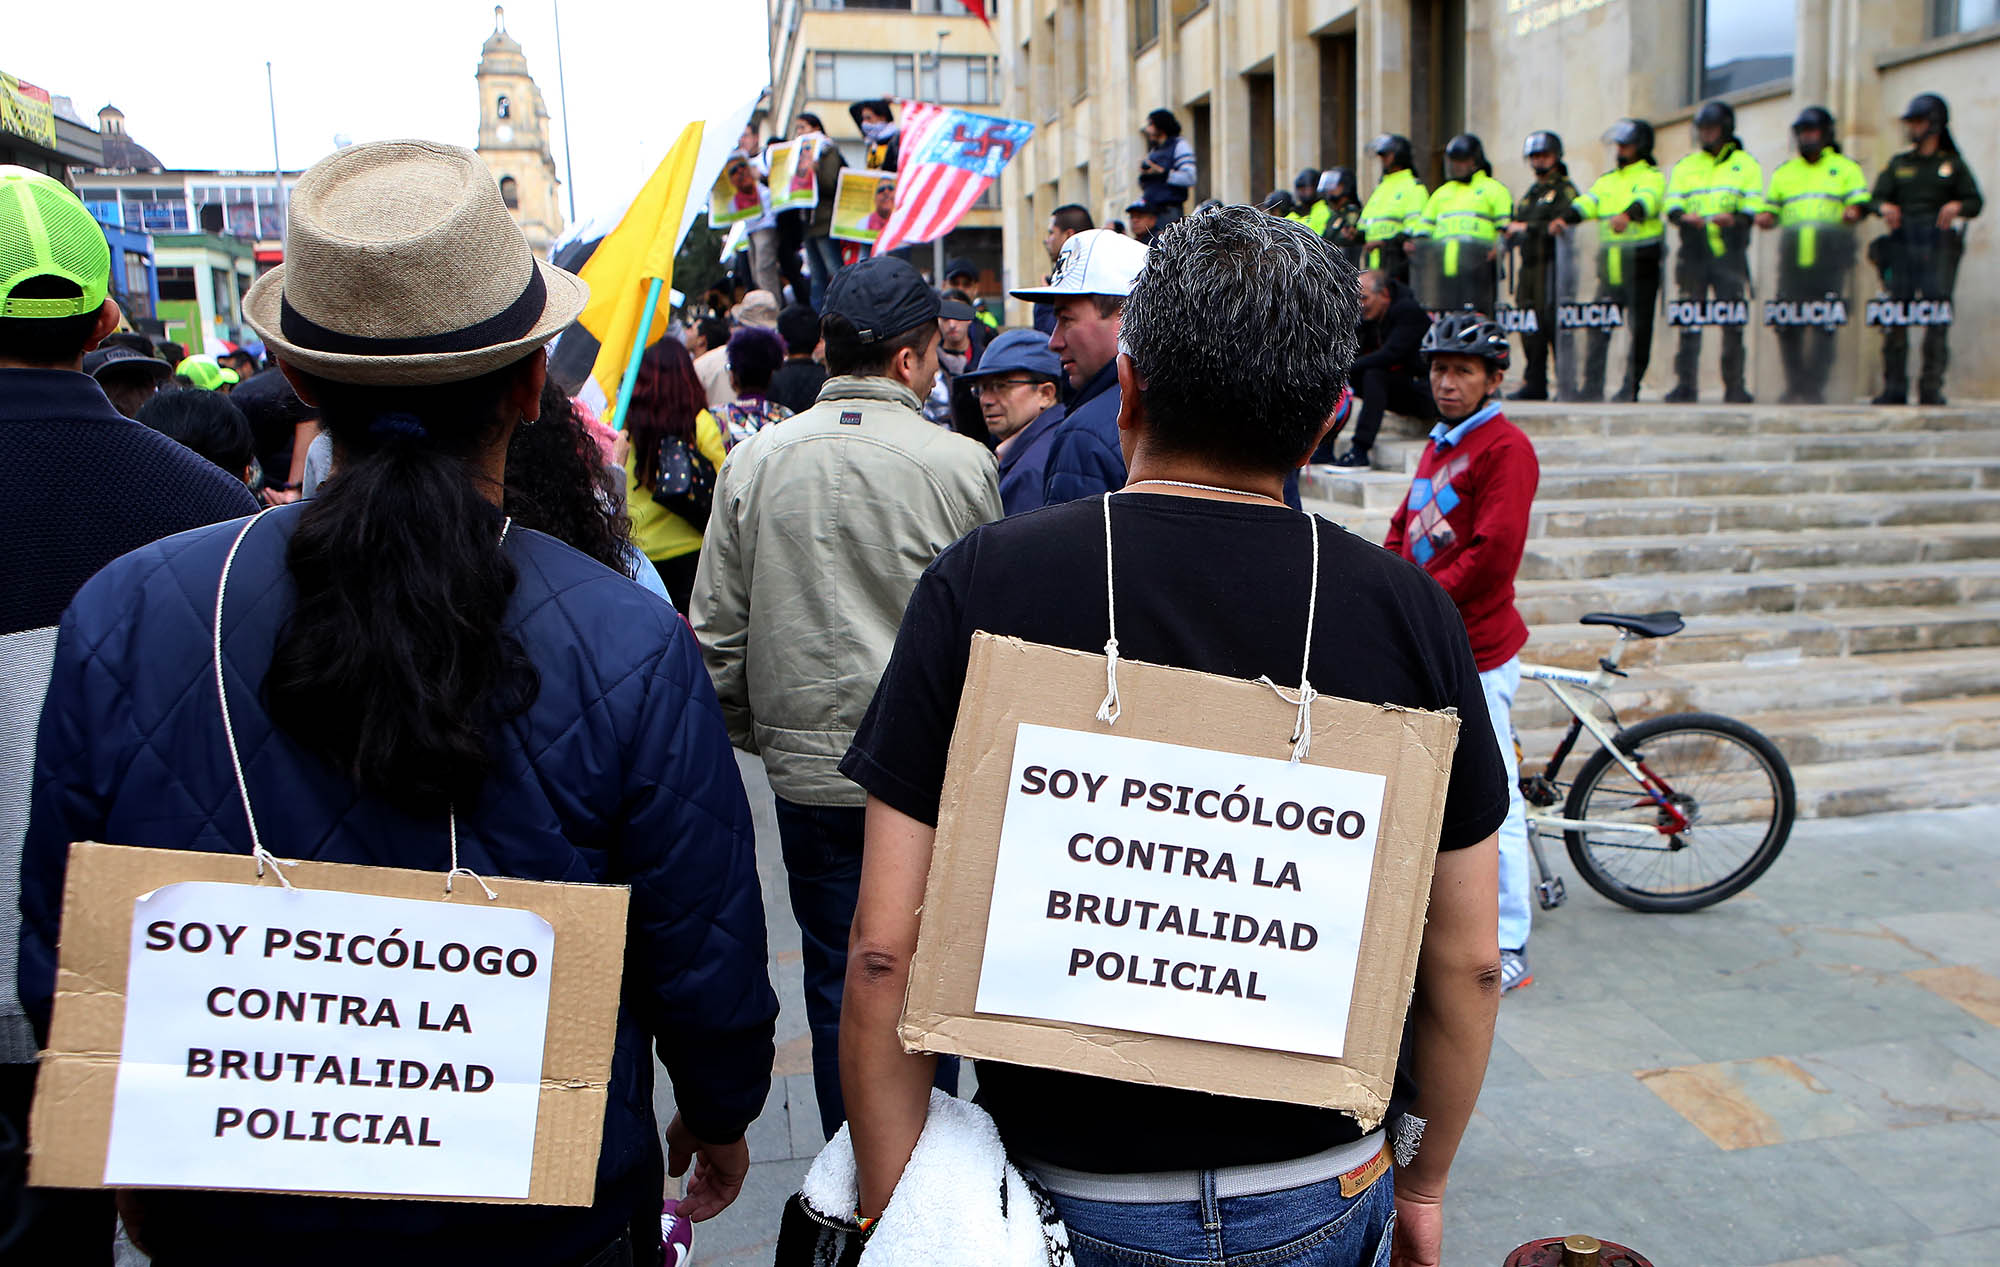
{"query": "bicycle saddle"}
[(1649, 625)]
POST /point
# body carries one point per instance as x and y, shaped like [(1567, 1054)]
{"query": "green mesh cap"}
[(46, 232)]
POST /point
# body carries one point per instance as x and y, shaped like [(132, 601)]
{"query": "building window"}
[(510, 193), (959, 80), (1741, 45), (1145, 22), (1950, 17), (863, 76), (104, 211), (155, 210), (1185, 9), (503, 107), (177, 285), (136, 298)]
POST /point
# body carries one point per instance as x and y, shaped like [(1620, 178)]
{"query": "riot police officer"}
[(1813, 199), (1312, 210), (1711, 198), (1343, 218), (1462, 223), (1386, 216), (1535, 276), (1924, 195), (1628, 199)]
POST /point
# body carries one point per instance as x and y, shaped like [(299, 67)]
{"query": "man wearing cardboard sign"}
[(1207, 569), (422, 701)]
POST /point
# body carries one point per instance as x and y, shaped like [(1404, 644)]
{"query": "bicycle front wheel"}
[(1727, 781)]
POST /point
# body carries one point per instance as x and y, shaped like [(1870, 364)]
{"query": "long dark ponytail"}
[(394, 666)]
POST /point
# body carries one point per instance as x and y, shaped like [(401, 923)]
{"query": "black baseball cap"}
[(883, 296), (121, 358), (960, 268), (954, 310)]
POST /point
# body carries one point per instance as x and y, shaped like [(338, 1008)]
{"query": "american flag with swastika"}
[(949, 157)]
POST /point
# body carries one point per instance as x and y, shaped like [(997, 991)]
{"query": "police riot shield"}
[(1809, 345), (1606, 293), (1449, 274), (1709, 310), (1916, 270)]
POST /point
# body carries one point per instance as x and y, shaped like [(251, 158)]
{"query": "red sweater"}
[(1465, 521)]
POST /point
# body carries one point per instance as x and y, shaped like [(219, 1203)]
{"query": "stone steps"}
[(1810, 685), (1778, 639), (1562, 452), (1839, 569), (1696, 594), (1386, 489), (1752, 552), (1965, 725)]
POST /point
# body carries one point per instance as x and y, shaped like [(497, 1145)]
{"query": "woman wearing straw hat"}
[(413, 681)]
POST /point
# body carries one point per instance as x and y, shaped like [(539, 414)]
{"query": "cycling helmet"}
[(1467, 333), (1542, 143)]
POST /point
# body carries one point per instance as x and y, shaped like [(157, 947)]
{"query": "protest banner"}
[(1170, 900), (795, 174), (737, 194), (862, 205), (359, 1033)]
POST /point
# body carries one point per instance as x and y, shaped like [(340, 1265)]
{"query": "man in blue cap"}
[(1018, 385)]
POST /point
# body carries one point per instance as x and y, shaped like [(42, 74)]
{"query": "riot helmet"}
[(1542, 143), (1305, 186), (1336, 180), (1814, 119), (1465, 148), (1636, 133), (1719, 115), (1936, 117), (1394, 148)]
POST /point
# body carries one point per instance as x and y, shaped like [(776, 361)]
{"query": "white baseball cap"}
[(1093, 262)]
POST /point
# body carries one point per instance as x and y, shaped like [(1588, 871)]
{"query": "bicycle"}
[(1659, 801)]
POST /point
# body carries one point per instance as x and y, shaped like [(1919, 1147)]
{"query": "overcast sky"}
[(191, 80)]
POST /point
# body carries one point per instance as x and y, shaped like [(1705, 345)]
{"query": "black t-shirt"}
[(1217, 587)]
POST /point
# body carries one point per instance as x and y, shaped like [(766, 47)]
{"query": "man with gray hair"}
[(1235, 345)]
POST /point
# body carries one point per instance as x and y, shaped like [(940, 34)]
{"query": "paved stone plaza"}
[(1808, 1074)]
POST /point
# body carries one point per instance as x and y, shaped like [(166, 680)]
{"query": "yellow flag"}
[(641, 248)]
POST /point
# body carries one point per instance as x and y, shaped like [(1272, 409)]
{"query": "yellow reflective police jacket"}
[(1706, 184)]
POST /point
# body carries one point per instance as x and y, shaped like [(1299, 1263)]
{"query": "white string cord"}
[(1108, 711), (257, 850), (456, 870), (1302, 730)]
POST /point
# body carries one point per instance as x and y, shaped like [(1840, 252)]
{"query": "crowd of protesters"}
[(482, 615)]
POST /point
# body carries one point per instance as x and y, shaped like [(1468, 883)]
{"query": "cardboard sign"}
[(993, 905), (862, 205), (737, 195), (361, 1034), (794, 174)]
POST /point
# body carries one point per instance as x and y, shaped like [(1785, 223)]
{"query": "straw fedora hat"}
[(403, 267)]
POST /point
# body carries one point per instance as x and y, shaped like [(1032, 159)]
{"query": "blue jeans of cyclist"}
[(1516, 884), (1309, 1226)]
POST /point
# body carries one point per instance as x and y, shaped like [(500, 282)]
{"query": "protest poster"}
[(862, 204), (795, 174), (1170, 900), (360, 1033), (737, 195)]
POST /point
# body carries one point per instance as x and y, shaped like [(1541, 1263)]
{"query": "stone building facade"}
[(514, 137), (1267, 87)]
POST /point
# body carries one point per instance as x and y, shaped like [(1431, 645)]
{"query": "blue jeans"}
[(1516, 885), (823, 254), (1313, 1226), (822, 847)]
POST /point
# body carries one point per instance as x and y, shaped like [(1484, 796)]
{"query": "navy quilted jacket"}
[(1084, 458), (620, 773)]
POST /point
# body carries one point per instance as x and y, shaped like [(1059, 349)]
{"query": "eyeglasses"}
[(995, 385)]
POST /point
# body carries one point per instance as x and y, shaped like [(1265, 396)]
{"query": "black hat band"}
[(510, 323)]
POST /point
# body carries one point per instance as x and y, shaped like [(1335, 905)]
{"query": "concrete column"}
[(1382, 76)]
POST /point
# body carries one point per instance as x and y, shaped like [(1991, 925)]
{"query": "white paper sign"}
[(321, 1041), (1163, 889)]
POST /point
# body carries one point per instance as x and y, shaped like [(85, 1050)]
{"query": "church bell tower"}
[(514, 137)]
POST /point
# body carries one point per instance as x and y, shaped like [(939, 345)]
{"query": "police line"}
[(1609, 314)]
